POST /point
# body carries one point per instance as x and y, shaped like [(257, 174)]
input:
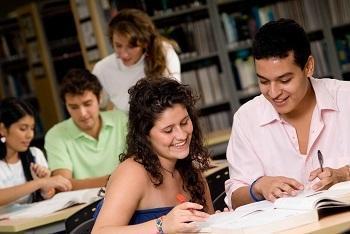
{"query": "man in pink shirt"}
[(275, 139)]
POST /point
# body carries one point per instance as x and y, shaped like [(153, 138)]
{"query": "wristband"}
[(252, 196), (159, 225)]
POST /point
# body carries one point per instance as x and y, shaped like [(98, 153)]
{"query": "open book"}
[(283, 214), (57, 202)]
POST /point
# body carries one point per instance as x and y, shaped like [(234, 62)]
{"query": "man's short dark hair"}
[(77, 81), (278, 38)]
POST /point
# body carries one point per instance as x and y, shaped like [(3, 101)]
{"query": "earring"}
[(3, 139)]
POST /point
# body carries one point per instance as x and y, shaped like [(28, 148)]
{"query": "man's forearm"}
[(240, 197), (89, 183)]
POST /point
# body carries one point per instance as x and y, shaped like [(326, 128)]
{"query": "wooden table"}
[(46, 224), (337, 223)]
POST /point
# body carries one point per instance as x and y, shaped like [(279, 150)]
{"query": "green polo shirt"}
[(67, 147)]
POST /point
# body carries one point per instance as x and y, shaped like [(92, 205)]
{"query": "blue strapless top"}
[(141, 216)]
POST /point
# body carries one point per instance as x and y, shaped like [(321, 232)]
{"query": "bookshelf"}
[(39, 63), (50, 42), (215, 37)]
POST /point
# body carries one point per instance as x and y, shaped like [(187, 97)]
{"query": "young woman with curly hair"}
[(165, 157), (139, 51)]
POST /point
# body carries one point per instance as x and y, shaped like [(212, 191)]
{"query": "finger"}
[(199, 213), (277, 192), (327, 172), (314, 174), (270, 197), (190, 205), (293, 183), (192, 218), (318, 186), (288, 190), (189, 228)]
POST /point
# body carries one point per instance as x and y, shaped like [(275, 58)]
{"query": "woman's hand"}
[(39, 171), (182, 217), (224, 210), (50, 184)]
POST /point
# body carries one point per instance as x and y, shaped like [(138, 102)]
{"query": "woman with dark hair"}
[(163, 164), (139, 51), (24, 176)]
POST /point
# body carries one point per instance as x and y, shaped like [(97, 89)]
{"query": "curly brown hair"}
[(149, 98), (138, 27)]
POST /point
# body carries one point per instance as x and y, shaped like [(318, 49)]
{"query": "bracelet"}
[(159, 225), (253, 197)]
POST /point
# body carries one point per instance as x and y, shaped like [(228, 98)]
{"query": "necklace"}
[(172, 173)]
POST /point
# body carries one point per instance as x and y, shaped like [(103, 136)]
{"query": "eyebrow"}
[(185, 118), (277, 78)]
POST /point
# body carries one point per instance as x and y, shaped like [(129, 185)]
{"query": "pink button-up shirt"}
[(262, 143)]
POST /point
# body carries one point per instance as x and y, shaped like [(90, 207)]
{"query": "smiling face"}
[(283, 83), (19, 134), (84, 110), (170, 137), (129, 54)]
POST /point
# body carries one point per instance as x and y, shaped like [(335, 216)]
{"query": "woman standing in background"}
[(140, 51), (24, 176)]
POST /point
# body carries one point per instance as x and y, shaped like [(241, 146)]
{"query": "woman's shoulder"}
[(130, 167)]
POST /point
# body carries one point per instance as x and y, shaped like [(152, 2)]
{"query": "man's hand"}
[(273, 187), (329, 177)]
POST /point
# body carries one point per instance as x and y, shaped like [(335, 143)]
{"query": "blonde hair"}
[(139, 29)]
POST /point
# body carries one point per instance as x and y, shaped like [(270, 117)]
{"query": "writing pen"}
[(320, 159)]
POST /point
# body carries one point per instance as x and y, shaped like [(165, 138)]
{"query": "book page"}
[(58, 202), (263, 221), (314, 200)]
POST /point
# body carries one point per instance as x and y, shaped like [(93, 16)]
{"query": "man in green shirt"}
[(85, 148)]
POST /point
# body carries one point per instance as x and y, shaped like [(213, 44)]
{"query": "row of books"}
[(322, 64), (245, 70), (305, 12), (216, 122), (343, 51), (17, 85), (163, 7), (11, 45), (207, 83), (195, 38), (240, 26), (339, 11)]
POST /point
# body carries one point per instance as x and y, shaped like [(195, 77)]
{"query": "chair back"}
[(216, 182), (82, 221)]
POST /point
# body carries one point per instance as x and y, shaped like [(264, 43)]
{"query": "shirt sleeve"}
[(244, 164), (56, 150), (172, 62), (39, 156)]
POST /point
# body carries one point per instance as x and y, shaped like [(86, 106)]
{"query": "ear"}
[(309, 66)]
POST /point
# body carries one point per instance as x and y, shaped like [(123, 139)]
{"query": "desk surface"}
[(17, 225), (217, 165), (331, 224)]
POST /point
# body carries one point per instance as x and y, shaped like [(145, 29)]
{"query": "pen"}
[(180, 198), (320, 159)]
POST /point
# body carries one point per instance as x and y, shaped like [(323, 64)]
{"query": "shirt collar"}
[(77, 133), (324, 100), (122, 67)]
